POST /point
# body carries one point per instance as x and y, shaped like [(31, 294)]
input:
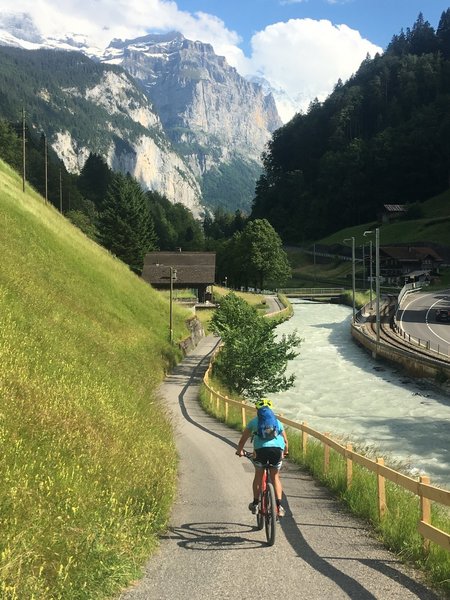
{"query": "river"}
[(339, 388)]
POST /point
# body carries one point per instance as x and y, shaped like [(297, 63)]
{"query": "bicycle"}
[(267, 515)]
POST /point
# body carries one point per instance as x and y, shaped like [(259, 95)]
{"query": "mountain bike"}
[(267, 506)]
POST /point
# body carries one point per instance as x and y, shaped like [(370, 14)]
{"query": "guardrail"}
[(313, 291), (421, 487)]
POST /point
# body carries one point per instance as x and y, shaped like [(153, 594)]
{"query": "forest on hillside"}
[(383, 137)]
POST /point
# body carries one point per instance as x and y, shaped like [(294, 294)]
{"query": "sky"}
[(301, 47)]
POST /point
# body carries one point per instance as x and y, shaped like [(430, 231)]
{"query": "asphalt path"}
[(416, 317), (213, 549)]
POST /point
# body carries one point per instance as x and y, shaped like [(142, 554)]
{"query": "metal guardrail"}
[(313, 292)]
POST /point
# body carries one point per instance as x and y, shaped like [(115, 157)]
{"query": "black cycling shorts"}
[(269, 455)]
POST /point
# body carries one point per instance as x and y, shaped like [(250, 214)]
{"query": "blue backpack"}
[(267, 424)]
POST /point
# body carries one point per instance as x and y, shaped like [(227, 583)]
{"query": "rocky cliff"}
[(211, 113)]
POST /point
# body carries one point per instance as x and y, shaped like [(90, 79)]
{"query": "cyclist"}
[(265, 451)]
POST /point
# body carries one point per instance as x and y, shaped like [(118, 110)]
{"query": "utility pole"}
[(46, 167), (23, 150), (173, 275), (352, 239), (315, 273), (60, 191), (377, 276), (377, 279)]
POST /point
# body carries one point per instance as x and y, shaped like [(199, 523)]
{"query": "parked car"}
[(442, 314)]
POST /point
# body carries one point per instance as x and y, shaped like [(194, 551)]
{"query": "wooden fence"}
[(420, 487)]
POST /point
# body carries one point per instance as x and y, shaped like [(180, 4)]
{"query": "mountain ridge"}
[(214, 119)]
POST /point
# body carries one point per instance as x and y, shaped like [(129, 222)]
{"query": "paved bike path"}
[(213, 549)]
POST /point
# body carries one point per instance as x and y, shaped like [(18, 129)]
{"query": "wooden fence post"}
[(217, 402), (211, 392), (243, 415), (349, 465), (226, 409), (304, 440), (425, 511), (381, 485), (326, 455)]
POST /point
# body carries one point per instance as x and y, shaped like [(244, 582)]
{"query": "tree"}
[(10, 145), (253, 361), (261, 253), (125, 226), (94, 179), (443, 34)]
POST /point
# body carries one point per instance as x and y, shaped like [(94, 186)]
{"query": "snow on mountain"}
[(19, 30)]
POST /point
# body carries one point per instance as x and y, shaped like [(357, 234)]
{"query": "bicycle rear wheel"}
[(270, 516)]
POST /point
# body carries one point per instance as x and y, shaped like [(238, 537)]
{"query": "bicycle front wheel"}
[(270, 516)]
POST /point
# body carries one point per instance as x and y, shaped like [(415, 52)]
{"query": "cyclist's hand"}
[(239, 453)]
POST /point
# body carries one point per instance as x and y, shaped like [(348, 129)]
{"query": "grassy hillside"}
[(434, 226), (88, 462)]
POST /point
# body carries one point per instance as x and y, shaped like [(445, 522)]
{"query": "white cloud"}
[(305, 58), (302, 57)]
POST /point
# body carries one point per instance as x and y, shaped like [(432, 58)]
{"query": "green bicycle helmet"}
[(263, 402)]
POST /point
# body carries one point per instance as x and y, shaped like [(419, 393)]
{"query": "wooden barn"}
[(193, 270)]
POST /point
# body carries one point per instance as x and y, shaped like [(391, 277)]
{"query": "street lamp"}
[(377, 278), (352, 239), (370, 271), (173, 277)]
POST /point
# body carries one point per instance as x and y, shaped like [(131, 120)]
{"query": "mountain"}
[(214, 117), (83, 106), (208, 126)]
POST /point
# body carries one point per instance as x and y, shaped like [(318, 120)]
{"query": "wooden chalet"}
[(193, 270), (392, 212), (400, 263)]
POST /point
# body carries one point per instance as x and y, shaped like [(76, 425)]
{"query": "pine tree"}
[(443, 34), (126, 227), (94, 179)]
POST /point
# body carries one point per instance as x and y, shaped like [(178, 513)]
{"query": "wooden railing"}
[(313, 292), (420, 487)]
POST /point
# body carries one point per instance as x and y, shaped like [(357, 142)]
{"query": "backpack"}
[(267, 424)]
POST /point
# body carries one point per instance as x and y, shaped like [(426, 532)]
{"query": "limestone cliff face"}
[(211, 113), (132, 141)]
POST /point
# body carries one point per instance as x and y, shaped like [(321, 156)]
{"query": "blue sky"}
[(376, 20), (300, 47)]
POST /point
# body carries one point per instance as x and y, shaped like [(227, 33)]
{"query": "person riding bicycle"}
[(269, 450)]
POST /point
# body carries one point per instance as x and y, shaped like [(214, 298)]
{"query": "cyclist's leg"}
[(276, 480), (257, 482)]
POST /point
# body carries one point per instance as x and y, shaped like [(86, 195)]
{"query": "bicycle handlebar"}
[(250, 456)]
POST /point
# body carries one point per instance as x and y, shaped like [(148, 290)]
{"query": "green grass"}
[(255, 300), (88, 467)]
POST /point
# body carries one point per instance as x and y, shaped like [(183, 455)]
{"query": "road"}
[(416, 318), (212, 548)]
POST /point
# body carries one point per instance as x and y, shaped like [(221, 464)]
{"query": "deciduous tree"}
[(253, 360)]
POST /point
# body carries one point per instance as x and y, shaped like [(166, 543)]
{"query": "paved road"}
[(416, 318), (213, 549)]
